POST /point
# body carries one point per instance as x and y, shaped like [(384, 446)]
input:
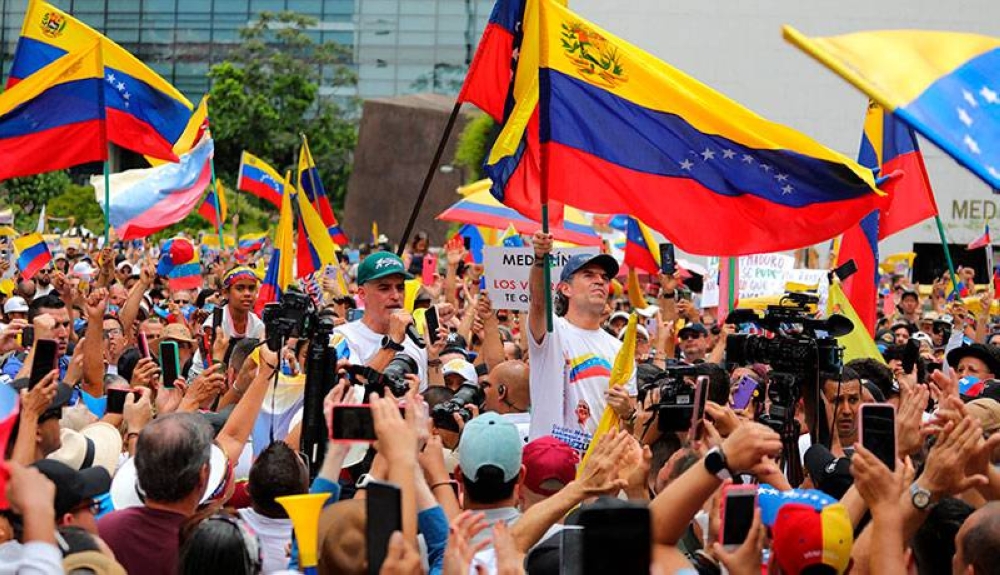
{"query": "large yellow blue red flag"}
[(626, 133), (315, 249), (260, 179), (279, 270), (946, 85), (311, 184), (145, 113), (55, 119)]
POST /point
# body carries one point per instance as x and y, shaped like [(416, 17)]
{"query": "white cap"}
[(463, 368), (83, 270), (639, 330), (618, 315), (15, 304)]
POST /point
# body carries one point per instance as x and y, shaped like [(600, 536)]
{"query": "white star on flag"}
[(728, 154), (747, 159), (970, 98), (708, 154), (990, 96), (766, 168), (971, 144), (964, 117), (781, 177), (687, 164), (121, 86), (787, 189), (111, 78)]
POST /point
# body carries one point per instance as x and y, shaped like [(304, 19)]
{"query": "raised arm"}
[(538, 292)]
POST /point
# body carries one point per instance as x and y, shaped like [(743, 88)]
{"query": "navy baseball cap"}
[(580, 261)]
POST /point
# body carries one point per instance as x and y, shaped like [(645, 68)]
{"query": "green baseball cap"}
[(381, 264)]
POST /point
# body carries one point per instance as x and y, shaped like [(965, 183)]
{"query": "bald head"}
[(507, 391), (977, 543)]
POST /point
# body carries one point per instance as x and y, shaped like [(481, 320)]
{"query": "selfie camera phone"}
[(28, 336), (668, 265), (736, 514), (385, 516), (116, 400), (44, 361), (170, 364), (877, 431)]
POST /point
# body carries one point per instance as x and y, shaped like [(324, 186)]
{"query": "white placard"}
[(506, 272), (760, 275)]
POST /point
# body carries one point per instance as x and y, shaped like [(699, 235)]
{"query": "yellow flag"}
[(621, 372), (410, 289), (635, 297), (857, 344)]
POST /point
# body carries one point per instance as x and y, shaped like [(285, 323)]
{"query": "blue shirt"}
[(14, 364)]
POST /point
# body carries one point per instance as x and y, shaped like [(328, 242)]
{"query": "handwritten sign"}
[(506, 272)]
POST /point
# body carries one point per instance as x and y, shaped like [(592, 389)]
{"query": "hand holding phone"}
[(116, 400), (352, 424), (910, 355), (429, 269), (385, 516), (45, 361), (144, 345), (431, 318), (170, 365), (668, 265), (736, 514)]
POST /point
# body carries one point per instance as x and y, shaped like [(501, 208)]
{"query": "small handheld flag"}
[(32, 254), (980, 242)]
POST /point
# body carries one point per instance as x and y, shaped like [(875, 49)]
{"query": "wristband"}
[(450, 483)]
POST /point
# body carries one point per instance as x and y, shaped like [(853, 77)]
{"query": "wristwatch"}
[(920, 497), (363, 480), (715, 463), (387, 343)]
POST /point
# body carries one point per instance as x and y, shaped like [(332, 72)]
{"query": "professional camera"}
[(468, 394), (294, 316), (677, 389), (393, 376)]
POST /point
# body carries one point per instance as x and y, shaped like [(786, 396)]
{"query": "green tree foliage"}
[(26, 196), (474, 145), (77, 202), (267, 93)]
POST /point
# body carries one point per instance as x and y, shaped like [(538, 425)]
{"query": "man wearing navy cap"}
[(573, 363)]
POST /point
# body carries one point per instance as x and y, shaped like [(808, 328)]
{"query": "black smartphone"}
[(144, 345), (43, 362), (352, 423), (170, 364), (910, 355), (629, 527), (467, 242), (385, 516), (877, 431), (116, 400), (355, 314), (216, 319), (571, 550), (736, 514), (28, 336), (431, 315), (668, 265)]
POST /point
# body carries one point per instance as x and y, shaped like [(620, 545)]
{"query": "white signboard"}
[(506, 271), (760, 275)]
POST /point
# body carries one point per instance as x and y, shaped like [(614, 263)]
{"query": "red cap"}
[(804, 537), (547, 458)]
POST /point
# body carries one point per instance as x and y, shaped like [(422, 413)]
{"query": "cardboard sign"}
[(760, 275), (506, 272)]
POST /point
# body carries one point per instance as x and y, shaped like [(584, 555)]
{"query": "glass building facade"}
[(397, 46)]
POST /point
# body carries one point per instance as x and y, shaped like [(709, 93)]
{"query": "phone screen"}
[(878, 431), (737, 514), (432, 324), (44, 361), (116, 400), (352, 423), (628, 527), (216, 320), (28, 336), (910, 355), (668, 265), (169, 363), (385, 516)]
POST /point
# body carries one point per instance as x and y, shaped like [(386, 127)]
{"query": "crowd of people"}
[(167, 429)]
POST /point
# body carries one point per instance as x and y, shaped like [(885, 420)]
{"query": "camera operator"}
[(381, 334), (577, 340)]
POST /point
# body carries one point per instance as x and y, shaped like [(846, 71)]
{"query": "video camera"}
[(677, 389), (293, 316)]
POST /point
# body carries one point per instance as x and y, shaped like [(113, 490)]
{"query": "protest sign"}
[(760, 275), (506, 272)]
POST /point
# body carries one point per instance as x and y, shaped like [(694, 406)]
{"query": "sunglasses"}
[(182, 301), (689, 335)]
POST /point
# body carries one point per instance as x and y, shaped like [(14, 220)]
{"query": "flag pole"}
[(947, 252), (543, 116), (107, 159), (731, 280), (429, 177), (218, 205)]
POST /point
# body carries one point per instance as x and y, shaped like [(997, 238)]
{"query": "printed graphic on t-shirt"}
[(588, 365), (575, 438)]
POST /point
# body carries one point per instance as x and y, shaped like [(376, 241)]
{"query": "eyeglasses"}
[(113, 331)]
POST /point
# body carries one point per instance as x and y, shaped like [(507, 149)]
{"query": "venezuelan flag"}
[(260, 179), (208, 208), (488, 80), (858, 344), (252, 242), (627, 133), (315, 248), (889, 147), (196, 129), (514, 162), (943, 84), (312, 185), (54, 120), (144, 112), (641, 248), (860, 243), (179, 262), (279, 269), (32, 254), (511, 239), (144, 201)]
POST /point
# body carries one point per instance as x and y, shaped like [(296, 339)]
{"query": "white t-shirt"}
[(357, 343), (570, 369), (255, 329), (274, 536)]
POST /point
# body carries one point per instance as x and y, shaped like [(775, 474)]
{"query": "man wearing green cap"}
[(381, 333)]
